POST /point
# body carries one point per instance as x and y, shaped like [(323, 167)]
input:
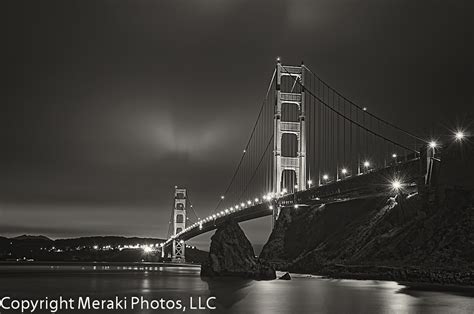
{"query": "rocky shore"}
[(425, 237), (231, 254)]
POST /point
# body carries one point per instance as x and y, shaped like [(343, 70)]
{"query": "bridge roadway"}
[(371, 183)]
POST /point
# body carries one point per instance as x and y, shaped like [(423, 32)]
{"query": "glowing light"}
[(325, 177), (396, 185), (200, 227), (214, 216), (344, 171), (394, 155), (433, 144), (182, 241), (242, 204), (270, 207), (285, 191), (310, 182), (256, 200), (222, 197), (147, 249), (222, 212), (459, 135), (245, 151), (296, 187), (365, 108), (366, 164), (249, 202), (296, 206), (226, 211)]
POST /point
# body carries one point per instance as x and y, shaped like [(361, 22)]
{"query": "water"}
[(303, 294)]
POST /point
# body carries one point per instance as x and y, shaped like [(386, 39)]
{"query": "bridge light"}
[(182, 241), (365, 108), (214, 216), (236, 207), (270, 207), (296, 205), (433, 144), (366, 164), (396, 185), (325, 177), (222, 197), (256, 200), (242, 205), (344, 171), (226, 211), (285, 191), (249, 202), (244, 151), (310, 182), (222, 212), (200, 227), (459, 135), (296, 186)]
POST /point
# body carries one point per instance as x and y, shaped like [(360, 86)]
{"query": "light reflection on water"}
[(303, 294)]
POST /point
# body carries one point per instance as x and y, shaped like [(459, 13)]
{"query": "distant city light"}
[(256, 200), (147, 249)]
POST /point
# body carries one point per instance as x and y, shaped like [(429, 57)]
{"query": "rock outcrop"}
[(231, 254), (286, 276), (425, 238)]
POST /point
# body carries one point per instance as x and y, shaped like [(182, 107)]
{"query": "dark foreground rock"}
[(425, 237), (231, 254), (285, 277)]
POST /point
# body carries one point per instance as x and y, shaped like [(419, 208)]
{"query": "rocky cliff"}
[(231, 254), (415, 238)]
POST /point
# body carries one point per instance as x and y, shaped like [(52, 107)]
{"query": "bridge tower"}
[(281, 163), (179, 223)]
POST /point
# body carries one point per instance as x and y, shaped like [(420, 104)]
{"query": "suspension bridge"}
[(309, 145)]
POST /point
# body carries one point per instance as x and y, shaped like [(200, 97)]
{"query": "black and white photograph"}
[(236, 156)]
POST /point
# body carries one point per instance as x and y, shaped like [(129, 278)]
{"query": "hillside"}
[(384, 237), (87, 249)]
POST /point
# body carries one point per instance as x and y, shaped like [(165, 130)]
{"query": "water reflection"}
[(300, 295)]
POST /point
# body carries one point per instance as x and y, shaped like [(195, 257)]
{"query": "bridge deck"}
[(373, 182)]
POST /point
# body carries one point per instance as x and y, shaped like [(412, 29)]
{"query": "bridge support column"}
[(280, 163), (179, 224)]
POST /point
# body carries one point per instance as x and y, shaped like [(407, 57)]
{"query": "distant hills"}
[(87, 249)]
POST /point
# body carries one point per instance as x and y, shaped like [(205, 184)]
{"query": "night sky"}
[(110, 104)]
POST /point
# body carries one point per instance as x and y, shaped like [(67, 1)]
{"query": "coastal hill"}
[(87, 249), (427, 236)]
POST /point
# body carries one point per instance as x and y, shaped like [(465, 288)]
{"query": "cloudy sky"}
[(110, 104)]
